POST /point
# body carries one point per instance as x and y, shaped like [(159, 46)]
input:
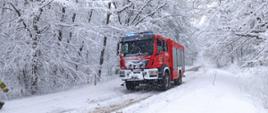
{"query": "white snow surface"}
[(82, 100), (208, 90)]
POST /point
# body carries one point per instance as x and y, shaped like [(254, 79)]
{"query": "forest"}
[(49, 46)]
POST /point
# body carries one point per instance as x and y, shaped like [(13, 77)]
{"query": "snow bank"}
[(253, 80)]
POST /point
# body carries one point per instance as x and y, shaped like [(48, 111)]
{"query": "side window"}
[(159, 46), (164, 46)]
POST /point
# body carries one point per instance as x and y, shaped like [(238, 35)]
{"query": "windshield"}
[(137, 47)]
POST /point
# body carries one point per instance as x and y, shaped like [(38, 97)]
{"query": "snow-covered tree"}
[(237, 33)]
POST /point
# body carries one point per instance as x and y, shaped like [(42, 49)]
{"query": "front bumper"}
[(139, 75)]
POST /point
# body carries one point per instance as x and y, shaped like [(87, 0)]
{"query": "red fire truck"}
[(148, 58)]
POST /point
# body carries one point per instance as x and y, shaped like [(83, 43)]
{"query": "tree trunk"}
[(37, 52), (103, 48)]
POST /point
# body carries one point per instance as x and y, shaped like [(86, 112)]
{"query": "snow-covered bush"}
[(253, 80)]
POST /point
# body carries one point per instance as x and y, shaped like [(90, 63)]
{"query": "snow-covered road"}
[(205, 91), (105, 97)]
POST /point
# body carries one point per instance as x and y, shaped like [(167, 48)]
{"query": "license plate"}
[(136, 70), (134, 77)]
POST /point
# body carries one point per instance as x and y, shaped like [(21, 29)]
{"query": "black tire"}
[(165, 83), (1, 104), (130, 85), (179, 80)]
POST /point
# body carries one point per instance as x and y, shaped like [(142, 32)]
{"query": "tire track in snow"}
[(118, 106)]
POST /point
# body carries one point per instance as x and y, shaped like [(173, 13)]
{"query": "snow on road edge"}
[(206, 91)]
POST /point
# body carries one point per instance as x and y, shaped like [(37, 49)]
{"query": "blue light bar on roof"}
[(147, 32), (131, 34)]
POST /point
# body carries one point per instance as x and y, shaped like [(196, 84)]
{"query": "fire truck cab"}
[(148, 58)]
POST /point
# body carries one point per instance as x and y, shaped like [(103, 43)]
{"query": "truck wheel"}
[(179, 80), (165, 82), (130, 85)]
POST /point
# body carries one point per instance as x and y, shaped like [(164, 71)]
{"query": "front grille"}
[(136, 72), (153, 75), (137, 64)]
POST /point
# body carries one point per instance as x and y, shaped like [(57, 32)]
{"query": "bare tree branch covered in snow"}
[(238, 34)]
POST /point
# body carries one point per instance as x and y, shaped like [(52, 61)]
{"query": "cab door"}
[(162, 52)]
